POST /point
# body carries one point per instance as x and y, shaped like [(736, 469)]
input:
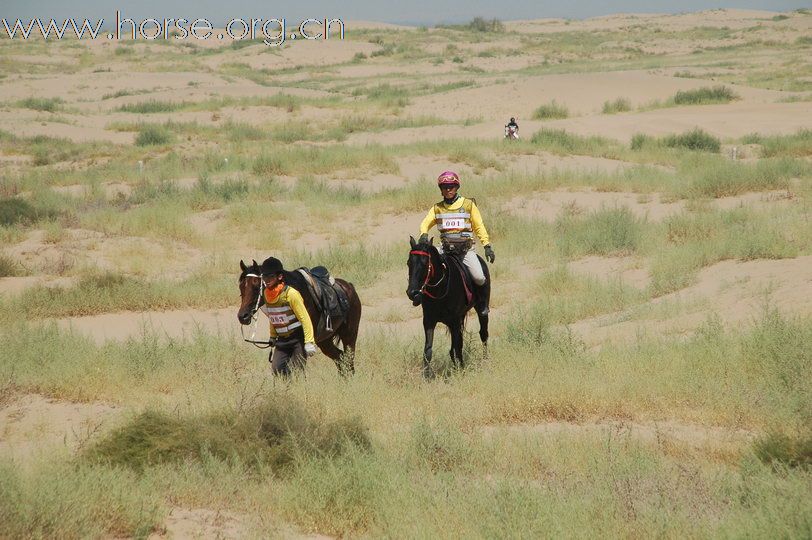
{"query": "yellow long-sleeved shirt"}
[(476, 219), (292, 298)]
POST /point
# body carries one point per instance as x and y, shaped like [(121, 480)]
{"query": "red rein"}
[(429, 274)]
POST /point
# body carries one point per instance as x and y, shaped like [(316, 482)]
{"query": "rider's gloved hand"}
[(310, 349), (423, 238), (489, 254)]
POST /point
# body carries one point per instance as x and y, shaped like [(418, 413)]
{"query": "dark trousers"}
[(288, 355)]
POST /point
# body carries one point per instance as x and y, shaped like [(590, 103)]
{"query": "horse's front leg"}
[(428, 328), (456, 344)]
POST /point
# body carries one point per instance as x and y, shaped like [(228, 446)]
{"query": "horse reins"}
[(429, 274), (255, 318)]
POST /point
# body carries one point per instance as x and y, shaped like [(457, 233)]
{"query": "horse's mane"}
[(295, 280), (427, 247)]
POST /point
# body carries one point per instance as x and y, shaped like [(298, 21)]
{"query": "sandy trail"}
[(720, 120), (31, 425), (177, 324), (549, 205), (581, 93)]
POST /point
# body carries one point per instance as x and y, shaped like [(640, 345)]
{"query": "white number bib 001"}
[(453, 223)]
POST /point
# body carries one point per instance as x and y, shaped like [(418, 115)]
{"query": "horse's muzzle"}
[(415, 296), (244, 318)]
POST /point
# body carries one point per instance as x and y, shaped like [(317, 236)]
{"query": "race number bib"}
[(453, 223), (278, 319)]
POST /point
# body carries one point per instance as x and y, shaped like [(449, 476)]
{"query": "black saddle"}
[(331, 300)]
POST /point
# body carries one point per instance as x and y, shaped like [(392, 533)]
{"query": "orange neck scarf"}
[(273, 293)]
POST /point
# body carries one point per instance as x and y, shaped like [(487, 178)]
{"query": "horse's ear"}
[(411, 240), (255, 262), (242, 266), (431, 241)]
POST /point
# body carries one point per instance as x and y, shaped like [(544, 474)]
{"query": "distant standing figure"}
[(512, 129)]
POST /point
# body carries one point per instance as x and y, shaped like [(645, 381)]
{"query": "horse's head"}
[(250, 292), (420, 266)]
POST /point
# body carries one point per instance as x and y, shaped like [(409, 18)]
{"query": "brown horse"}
[(344, 329)]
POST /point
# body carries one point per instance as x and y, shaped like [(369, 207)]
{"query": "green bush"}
[(616, 106), (15, 210), (695, 139), (639, 140), (42, 104), (705, 95), (550, 111), (150, 135)]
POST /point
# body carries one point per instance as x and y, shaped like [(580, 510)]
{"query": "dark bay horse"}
[(344, 329), (436, 282)]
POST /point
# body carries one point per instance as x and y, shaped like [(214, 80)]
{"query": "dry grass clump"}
[(273, 435), (550, 111), (618, 105)]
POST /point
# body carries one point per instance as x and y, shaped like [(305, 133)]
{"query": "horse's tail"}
[(349, 330)]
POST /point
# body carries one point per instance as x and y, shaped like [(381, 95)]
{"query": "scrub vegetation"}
[(648, 373)]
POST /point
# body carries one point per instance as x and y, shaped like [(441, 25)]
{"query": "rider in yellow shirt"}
[(291, 327), (458, 220)]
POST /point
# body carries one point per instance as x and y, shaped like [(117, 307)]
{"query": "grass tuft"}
[(705, 95), (550, 111), (618, 105), (42, 104), (151, 135), (696, 139)]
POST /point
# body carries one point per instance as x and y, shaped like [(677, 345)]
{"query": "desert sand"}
[(335, 84)]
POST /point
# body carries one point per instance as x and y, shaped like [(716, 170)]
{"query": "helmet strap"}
[(451, 201)]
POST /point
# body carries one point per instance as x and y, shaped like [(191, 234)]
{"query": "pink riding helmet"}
[(448, 178)]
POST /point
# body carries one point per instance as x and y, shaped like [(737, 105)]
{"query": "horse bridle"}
[(429, 274), (257, 344)]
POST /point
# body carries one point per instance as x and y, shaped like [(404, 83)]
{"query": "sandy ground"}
[(32, 425), (733, 291)]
